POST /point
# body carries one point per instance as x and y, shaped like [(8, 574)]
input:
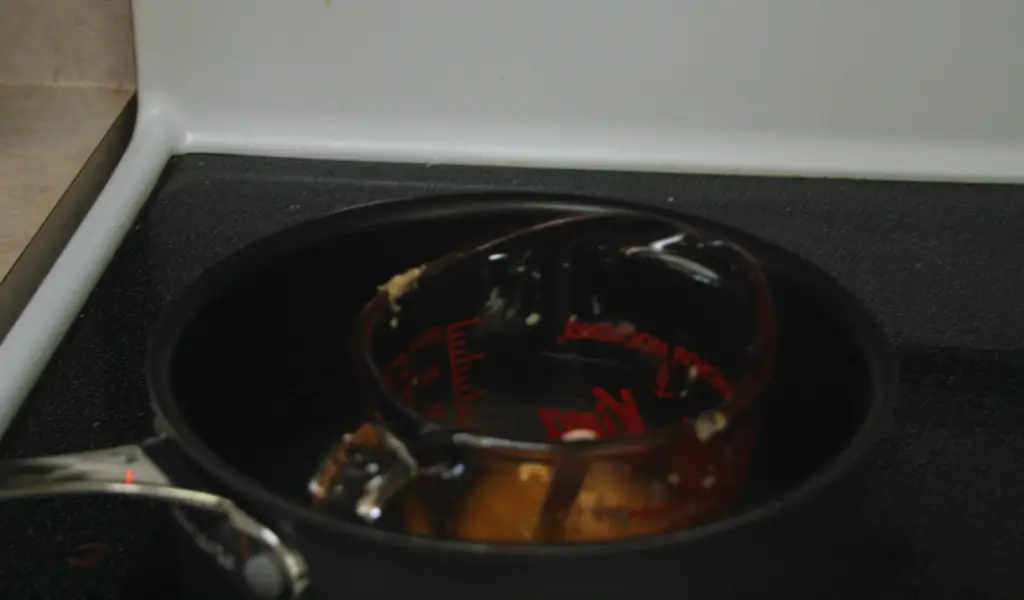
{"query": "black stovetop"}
[(941, 264)]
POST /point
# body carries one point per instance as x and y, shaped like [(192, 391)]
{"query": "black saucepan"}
[(249, 379)]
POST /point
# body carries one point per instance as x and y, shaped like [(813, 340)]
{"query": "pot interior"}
[(262, 372)]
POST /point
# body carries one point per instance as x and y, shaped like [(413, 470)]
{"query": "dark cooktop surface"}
[(942, 265)]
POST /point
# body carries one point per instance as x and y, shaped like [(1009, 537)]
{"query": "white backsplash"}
[(919, 89)]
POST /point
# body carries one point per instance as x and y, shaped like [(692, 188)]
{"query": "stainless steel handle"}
[(129, 470)]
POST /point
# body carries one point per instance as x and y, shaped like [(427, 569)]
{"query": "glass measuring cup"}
[(588, 378)]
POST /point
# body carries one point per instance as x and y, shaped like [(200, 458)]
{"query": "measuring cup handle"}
[(366, 471), (563, 491)]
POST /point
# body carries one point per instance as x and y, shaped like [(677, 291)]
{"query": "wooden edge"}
[(28, 271)]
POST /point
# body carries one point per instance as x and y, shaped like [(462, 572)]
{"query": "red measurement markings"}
[(431, 336), (609, 418), (459, 361), (403, 382), (714, 377), (424, 377), (400, 375), (616, 334), (646, 342), (662, 380)]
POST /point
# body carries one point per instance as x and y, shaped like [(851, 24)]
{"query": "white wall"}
[(890, 88)]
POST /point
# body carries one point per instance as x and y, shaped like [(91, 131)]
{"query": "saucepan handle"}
[(269, 568)]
